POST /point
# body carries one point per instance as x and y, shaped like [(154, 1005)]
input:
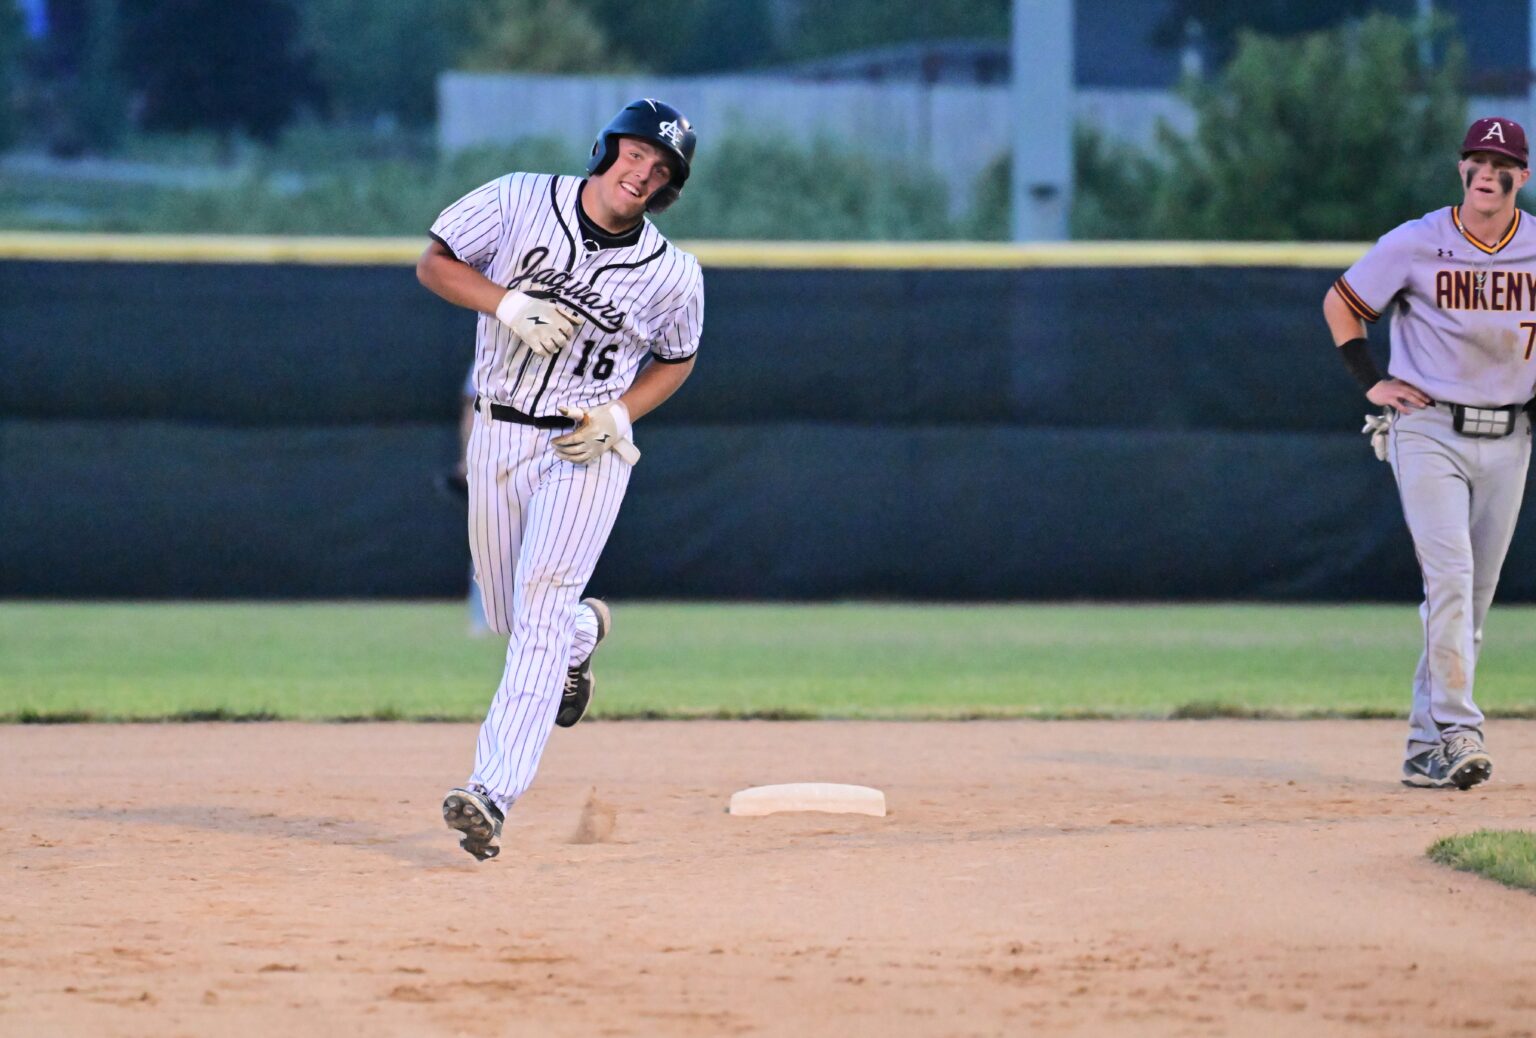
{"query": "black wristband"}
[(1357, 358)]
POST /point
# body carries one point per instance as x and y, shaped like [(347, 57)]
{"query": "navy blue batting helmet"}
[(662, 125)]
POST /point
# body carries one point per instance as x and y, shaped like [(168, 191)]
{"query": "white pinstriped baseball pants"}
[(537, 525)]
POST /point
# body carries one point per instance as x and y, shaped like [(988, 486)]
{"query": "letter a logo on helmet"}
[(658, 122), (1495, 130), (672, 132)]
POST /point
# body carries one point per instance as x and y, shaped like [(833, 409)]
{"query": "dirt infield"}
[(1181, 878)]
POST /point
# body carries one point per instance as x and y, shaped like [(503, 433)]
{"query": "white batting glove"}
[(545, 327), (1376, 426), (602, 429)]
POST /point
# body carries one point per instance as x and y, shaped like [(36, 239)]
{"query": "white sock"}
[(586, 634)]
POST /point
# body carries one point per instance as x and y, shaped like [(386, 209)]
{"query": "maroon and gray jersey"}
[(644, 299), (1463, 310)]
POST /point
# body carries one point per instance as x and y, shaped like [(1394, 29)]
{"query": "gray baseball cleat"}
[(1466, 759), (472, 813), (1427, 769), (579, 682)]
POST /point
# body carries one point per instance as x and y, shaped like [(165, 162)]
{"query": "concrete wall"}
[(954, 129)]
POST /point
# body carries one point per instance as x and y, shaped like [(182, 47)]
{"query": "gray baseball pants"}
[(1461, 496)]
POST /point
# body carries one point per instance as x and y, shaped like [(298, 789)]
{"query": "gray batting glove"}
[(544, 326), (602, 429)]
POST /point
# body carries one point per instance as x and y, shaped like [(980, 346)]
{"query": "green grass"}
[(1508, 855), (414, 660), (290, 190)]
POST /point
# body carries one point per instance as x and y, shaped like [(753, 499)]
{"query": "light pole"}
[(1041, 191)]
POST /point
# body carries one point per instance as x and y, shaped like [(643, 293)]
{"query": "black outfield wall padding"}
[(277, 431), (998, 513), (796, 511), (178, 510), (1240, 348)]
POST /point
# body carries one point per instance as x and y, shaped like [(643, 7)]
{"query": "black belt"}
[(507, 413)]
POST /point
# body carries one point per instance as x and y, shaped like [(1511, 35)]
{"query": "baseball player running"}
[(589, 320), (1460, 284)]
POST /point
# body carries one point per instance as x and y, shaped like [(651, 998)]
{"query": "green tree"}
[(558, 36), (1332, 136), (1220, 22), (688, 36), (80, 100), (12, 45), (1113, 183), (95, 97), (375, 57), (212, 64), (1114, 188), (833, 28), (750, 187)]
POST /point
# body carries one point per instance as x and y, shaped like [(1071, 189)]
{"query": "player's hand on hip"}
[(1401, 396), (542, 324), (597, 431)]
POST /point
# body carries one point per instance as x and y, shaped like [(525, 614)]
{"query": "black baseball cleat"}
[(579, 682), (1466, 760), (1427, 769), (472, 813)]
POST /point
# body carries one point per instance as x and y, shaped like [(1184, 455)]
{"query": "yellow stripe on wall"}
[(211, 248), (994, 256), (157, 248)]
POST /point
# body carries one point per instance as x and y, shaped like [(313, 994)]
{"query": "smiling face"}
[(1491, 181), (617, 201)]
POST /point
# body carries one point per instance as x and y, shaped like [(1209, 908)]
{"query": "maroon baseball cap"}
[(1496, 134)]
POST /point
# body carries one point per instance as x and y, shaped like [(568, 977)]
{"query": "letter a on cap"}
[(1495, 134)]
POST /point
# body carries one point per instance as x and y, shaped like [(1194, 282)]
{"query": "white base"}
[(830, 797)]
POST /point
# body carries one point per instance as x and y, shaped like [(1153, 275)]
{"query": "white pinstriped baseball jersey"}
[(643, 299), (538, 522)]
